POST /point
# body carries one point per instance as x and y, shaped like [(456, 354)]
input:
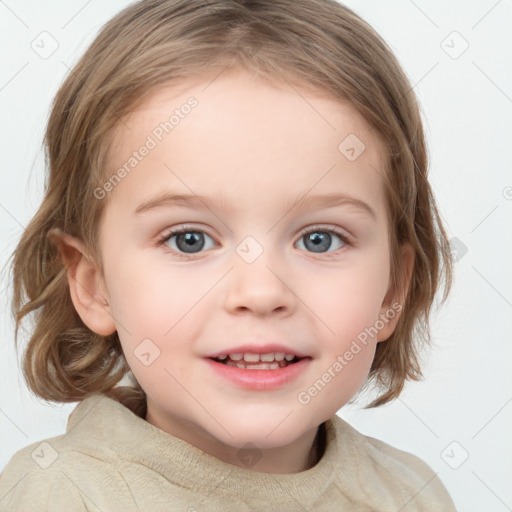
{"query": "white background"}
[(467, 107)]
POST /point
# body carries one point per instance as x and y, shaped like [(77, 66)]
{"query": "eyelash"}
[(311, 229), (344, 238)]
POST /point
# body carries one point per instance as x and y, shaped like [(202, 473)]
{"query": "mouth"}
[(272, 370), (253, 361)]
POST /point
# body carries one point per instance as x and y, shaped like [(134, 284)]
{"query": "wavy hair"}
[(319, 44)]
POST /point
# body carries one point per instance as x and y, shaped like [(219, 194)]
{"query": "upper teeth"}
[(254, 358)]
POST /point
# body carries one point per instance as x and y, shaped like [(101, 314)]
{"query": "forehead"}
[(248, 141)]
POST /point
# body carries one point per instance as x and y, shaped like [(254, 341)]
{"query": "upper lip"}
[(258, 349)]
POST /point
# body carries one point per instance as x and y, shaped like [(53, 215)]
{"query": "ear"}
[(393, 303), (86, 284)]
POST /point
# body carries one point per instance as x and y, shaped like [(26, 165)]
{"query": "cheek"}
[(150, 298), (167, 306), (347, 300), (347, 305), (152, 310)]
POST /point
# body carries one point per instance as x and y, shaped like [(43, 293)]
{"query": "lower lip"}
[(261, 380)]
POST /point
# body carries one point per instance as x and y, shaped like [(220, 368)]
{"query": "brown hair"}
[(317, 43)]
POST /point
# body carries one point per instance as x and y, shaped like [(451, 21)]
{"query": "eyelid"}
[(347, 239), (308, 229), (181, 228)]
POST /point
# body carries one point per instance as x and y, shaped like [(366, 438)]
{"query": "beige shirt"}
[(112, 460)]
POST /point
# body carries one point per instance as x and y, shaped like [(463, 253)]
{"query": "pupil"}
[(193, 242), (320, 241)]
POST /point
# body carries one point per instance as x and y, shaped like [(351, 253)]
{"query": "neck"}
[(300, 455)]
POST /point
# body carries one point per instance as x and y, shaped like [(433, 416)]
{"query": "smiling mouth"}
[(249, 361)]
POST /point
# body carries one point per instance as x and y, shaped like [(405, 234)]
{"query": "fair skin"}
[(253, 149)]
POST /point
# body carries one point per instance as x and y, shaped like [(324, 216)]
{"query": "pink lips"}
[(258, 349), (259, 380)]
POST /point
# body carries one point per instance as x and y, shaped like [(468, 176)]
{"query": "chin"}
[(264, 434)]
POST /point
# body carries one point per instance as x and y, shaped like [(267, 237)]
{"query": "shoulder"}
[(401, 472), (34, 480), (79, 470)]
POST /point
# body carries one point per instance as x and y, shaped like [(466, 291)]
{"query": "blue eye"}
[(187, 241), (320, 240)]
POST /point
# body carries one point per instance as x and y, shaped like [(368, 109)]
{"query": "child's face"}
[(257, 155)]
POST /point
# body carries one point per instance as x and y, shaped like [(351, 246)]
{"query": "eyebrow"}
[(167, 199)]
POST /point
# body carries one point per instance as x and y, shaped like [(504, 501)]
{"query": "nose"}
[(260, 287)]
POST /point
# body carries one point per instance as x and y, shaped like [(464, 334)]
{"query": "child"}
[(283, 139)]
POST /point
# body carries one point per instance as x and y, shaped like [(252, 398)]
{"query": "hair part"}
[(318, 44)]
